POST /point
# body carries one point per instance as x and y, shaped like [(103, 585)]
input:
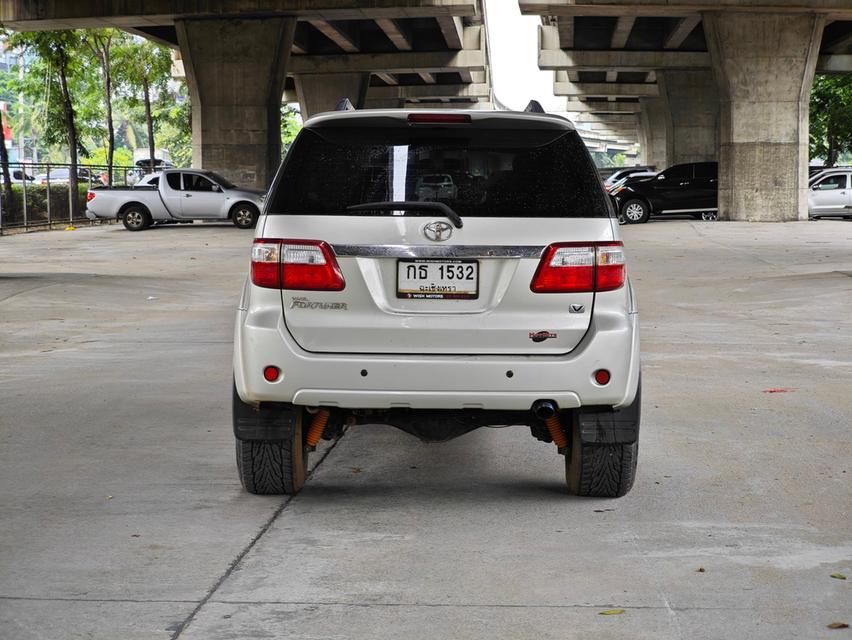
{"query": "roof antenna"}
[(344, 105), (534, 107)]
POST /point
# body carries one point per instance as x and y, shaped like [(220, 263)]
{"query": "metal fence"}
[(42, 194)]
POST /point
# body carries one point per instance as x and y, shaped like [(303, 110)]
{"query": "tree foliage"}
[(831, 123)]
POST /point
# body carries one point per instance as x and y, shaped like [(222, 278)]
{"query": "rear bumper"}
[(439, 382)]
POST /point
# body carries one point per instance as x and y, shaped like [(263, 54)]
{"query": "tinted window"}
[(831, 183), (174, 181), (707, 170), (678, 173), (195, 182), (476, 171), (222, 181), (154, 182)]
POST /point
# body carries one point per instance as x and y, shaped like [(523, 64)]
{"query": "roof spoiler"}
[(534, 107), (344, 105)]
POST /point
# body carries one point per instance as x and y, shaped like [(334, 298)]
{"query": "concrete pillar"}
[(764, 66), (235, 72), (320, 92), (692, 101), (654, 132)]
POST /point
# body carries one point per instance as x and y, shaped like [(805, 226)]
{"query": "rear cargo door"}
[(416, 283)]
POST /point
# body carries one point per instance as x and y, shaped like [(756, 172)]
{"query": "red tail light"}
[(307, 265), (577, 267), (90, 196)]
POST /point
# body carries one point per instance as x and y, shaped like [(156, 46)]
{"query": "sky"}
[(514, 59)]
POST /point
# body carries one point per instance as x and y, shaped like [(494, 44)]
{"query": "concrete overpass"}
[(240, 57), (727, 80)]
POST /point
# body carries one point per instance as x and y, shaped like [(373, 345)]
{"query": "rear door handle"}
[(187, 195)]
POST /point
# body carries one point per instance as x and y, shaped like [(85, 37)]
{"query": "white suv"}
[(505, 303)]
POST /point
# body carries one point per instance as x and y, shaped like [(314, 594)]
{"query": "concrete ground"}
[(121, 516)]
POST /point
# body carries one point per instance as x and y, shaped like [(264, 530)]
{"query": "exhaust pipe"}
[(548, 412), (544, 409)]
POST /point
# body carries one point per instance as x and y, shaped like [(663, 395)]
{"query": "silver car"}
[(830, 195)]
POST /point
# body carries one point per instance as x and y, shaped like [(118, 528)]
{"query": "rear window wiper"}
[(410, 204)]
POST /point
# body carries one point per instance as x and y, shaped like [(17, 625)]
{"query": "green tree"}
[(59, 52), (174, 124), (290, 127), (145, 68), (831, 124), (100, 43)]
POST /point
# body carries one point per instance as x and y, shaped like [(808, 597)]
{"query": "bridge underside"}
[(241, 58), (727, 80)]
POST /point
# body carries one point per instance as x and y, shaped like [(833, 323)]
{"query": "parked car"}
[(621, 174), (176, 195), (830, 195), (508, 304), (17, 176), (62, 175), (684, 189)]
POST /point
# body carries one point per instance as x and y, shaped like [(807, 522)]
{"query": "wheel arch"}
[(241, 202), (127, 205)]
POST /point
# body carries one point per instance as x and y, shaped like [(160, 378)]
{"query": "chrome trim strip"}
[(435, 251), (689, 210)]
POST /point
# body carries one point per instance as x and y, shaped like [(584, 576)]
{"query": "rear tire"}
[(274, 467), (635, 211), (244, 215), (136, 218), (600, 470)]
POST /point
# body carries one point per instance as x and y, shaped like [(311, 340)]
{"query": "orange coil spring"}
[(556, 432), (317, 427)]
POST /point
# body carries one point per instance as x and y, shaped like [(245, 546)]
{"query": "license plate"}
[(437, 279)]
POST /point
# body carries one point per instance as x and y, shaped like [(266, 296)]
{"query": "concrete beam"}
[(835, 63), (577, 106), (622, 32), (396, 33), (565, 31), (452, 30), (417, 92), (681, 32), (336, 34), (387, 78), (402, 62), (555, 57), (604, 89), (45, 15), (607, 118), (832, 9)]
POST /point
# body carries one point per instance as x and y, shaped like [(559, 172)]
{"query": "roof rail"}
[(344, 105), (534, 107)]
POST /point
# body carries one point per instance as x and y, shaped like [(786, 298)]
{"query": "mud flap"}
[(269, 421), (605, 425)]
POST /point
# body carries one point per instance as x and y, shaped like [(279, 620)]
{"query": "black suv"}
[(684, 189)]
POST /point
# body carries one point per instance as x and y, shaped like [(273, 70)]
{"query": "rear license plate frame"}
[(437, 295)]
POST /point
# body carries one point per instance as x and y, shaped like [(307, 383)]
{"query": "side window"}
[(678, 173), (154, 182), (195, 182), (831, 183), (707, 170), (174, 181)]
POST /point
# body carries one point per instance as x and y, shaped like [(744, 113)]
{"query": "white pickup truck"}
[(173, 196)]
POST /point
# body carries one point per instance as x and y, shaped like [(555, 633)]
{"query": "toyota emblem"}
[(438, 231)]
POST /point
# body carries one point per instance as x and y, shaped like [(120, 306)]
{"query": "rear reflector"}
[(307, 265), (438, 118), (602, 377), (270, 373), (574, 267)]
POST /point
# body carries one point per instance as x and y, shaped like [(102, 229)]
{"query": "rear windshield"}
[(476, 172)]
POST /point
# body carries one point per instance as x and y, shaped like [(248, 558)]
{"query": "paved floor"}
[(121, 516)]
